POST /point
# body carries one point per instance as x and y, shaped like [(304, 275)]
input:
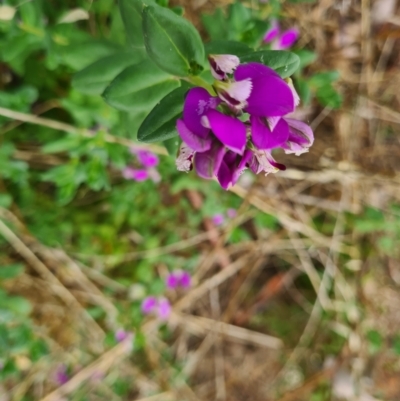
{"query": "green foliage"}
[(172, 42), (95, 78), (139, 87), (160, 124)]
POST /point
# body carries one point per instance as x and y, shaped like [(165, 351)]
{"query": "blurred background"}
[(293, 280)]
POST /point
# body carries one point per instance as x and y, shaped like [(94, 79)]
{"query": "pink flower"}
[(61, 375), (149, 161), (178, 278), (159, 307), (218, 219), (278, 40), (133, 174), (121, 335)]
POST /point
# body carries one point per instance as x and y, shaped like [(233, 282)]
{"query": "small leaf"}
[(93, 79), (239, 17), (160, 124), (139, 87), (5, 200), (323, 78), (227, 47), (131, 13), (172, 146), (172, 42), (17, 305), (79, 56), (11, 271), (284, 63), (215, 24), (328, 96), (70, 142), (307, 57)]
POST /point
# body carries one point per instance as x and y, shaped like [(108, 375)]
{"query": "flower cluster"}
[(148, 162), (237, 129), (219, 218), (280, 40), (160, 307), (178, 279)]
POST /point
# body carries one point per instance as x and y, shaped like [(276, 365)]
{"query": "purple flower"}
[(220, 140), (178, 278), (218, 219), (61, 376), (278, 40), (159, 307), (149, 305), (164, 309), (131, 173), (120, 335), (147, 159)]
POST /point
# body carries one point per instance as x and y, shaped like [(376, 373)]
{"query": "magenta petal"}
[(172, 280), (147, 159), (149, 304), (300, 131), (288, 38), (272, 32), (185, 280), (253, 71), (164, 309), (225, 175), (198, 101), (229, 130), (208, 163), (247, 156), (195, 142), (271, 96), (264, 138)]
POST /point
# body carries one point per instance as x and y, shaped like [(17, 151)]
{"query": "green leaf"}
[(139, 87), (18, 305), (303, 89), (284, 63), (255, 34), (5, 200), (215, 24), (172, 146), (11, 271), (93, 79), (131, 13), (307, 57), (328, 96), (239, 17), (79, 56), (70, 142), (323, 78), (172, 42), (160, 124), (227, 47)]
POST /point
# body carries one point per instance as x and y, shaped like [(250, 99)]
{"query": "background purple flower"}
[(121, 335), (149, 304), (147, 159), (178, 278), (218, 219), (131, 173), (61, 376), (281, 40)]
